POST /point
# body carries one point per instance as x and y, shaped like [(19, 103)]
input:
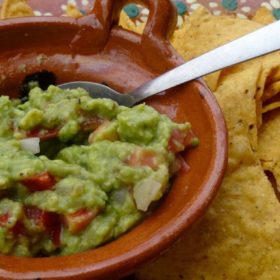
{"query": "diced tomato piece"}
[(179, 140), (40, 217), (143, 158), (53, 225), (176, 141), (51, 219), (43, 134), (149, 158), (80, 219), (55, 234), (40, 182), (33, 133), (132, 160), (4, 219), (47, 221), (91, 124), (18, 228)]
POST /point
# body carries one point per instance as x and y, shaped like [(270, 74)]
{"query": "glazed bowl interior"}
[(68, 49)]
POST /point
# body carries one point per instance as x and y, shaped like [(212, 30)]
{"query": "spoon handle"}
[(262, 41)]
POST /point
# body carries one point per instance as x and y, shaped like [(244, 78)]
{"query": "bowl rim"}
[(169, 232)]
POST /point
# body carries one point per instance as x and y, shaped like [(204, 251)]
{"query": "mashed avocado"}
[(99, 168)]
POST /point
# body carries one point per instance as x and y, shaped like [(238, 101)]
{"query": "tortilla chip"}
[(270, 107), (275, 77), (271, 71), (269, 75), (269, 144), (212, 80), (262, 80), (236, 96), (263, 16), (73, 11), (15, 8), (202, 32), (195, 38), (271, 90)]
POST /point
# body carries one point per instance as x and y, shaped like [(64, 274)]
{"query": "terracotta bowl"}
[(94, 48)]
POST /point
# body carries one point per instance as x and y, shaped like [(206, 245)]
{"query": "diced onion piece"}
[(31, 144), (146, 191)]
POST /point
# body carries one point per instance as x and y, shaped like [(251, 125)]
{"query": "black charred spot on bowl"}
[(251, 126), (273, 182), (41, 79)]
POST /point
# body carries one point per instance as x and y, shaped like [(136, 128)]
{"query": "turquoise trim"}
[(230, 5), (132, 10), (181, 7), (276, 13)]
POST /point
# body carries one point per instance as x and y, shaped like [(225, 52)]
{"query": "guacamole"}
[(76, 172)]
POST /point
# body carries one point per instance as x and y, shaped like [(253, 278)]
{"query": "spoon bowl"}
[(101, 91)]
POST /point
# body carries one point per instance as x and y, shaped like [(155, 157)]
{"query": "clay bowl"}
[(93, 48)]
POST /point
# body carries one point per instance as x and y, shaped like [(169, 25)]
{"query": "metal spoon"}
[(262, 41)]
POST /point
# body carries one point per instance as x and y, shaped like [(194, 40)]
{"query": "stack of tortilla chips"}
[(238, 238)]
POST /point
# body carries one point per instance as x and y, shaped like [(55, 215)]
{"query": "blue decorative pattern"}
[(181, 7), (230, 5), (132, 10), (276, 13)]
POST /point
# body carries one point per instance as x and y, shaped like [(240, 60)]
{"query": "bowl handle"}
[(160, 25)]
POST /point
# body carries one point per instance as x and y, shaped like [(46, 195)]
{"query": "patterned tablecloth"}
[(243, 8)]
